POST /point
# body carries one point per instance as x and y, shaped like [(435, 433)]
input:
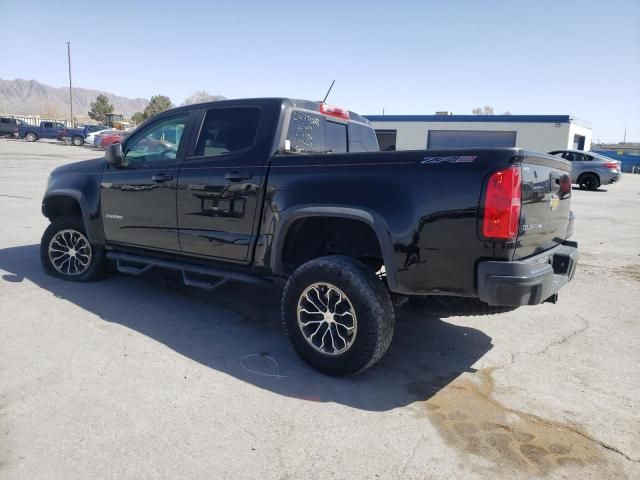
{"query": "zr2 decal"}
[(449, 159)]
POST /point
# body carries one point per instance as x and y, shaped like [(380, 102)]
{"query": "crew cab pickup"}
[(46, 129), (268, 190)]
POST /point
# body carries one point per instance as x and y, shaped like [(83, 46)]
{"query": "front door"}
[(219, 185), (138, 199)]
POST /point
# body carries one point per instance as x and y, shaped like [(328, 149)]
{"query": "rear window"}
[(335, 137), (227, 130), (313, 133)]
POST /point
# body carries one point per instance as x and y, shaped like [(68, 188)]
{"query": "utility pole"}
[(624, 139), (70, 92)]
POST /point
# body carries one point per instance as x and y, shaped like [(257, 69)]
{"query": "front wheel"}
[(30, 137), (65, 252), (338, 315), (77, 141)]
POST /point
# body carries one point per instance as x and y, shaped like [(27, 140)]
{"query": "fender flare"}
[(372, 219), (82, 202)]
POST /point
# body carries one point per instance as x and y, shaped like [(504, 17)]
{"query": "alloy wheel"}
[(70, 252), (327, 319)]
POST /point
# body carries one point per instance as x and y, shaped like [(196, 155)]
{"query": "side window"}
[(158, 142), (362, 138), (227, 130), (335, 138), (59, 125), (48, 125), (4, 120)]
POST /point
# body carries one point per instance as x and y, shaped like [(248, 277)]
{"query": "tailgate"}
[(546, 217)]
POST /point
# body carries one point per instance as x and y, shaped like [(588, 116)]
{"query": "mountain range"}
[(30, 97)]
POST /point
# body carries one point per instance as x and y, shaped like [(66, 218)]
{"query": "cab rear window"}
[(311, 132)]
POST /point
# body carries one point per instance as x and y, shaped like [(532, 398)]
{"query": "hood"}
[(86, 166)]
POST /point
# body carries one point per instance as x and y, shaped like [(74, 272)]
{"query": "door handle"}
[(162, 177), (237, 176)]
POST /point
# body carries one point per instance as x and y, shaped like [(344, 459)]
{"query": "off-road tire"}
[(97, 266), (589, 181), (444, 306), (371, 303)]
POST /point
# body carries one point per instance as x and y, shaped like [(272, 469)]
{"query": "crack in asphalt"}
[(565, 339), (546, 348)]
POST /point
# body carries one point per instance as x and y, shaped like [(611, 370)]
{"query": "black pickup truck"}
[(263, 190)]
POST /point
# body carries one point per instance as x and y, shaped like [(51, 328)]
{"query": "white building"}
[(539, 133)]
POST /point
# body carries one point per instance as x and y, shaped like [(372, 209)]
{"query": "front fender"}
[(84, 188)]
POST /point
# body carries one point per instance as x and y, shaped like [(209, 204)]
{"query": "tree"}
[(487, 110), (202, 96), (137, 118), (157, 104), (100, 108)]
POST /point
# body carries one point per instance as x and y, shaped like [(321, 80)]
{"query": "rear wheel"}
[(589, 181), (338, 315), (77, 141), (30, 137), (65, 252)]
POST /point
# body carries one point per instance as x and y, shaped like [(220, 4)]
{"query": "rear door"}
[(546, 195), (219, 194)]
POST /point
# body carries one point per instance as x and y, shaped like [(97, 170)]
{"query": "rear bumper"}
[(612, 178), (530, 281)]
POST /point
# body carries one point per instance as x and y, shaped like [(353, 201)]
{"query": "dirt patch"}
[(470, 420), (629, 271)]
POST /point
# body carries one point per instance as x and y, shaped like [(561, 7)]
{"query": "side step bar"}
[(135, 265)]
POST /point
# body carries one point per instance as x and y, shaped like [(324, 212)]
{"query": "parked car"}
[(97, 141), (8, 125), (109, 138), (589, 170), (280, 190), (91, 135), (46, 129)]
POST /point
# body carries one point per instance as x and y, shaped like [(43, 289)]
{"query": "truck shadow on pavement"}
[(236, 330)]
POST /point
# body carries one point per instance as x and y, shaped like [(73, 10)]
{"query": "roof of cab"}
[(290, 102)]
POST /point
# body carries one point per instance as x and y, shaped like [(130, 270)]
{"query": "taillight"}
[(612, 165), (332, 111), (502, 203)]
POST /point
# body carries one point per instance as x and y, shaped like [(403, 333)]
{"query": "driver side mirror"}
[(113, 154)]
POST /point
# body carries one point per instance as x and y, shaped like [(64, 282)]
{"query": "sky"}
[(580, 58)]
